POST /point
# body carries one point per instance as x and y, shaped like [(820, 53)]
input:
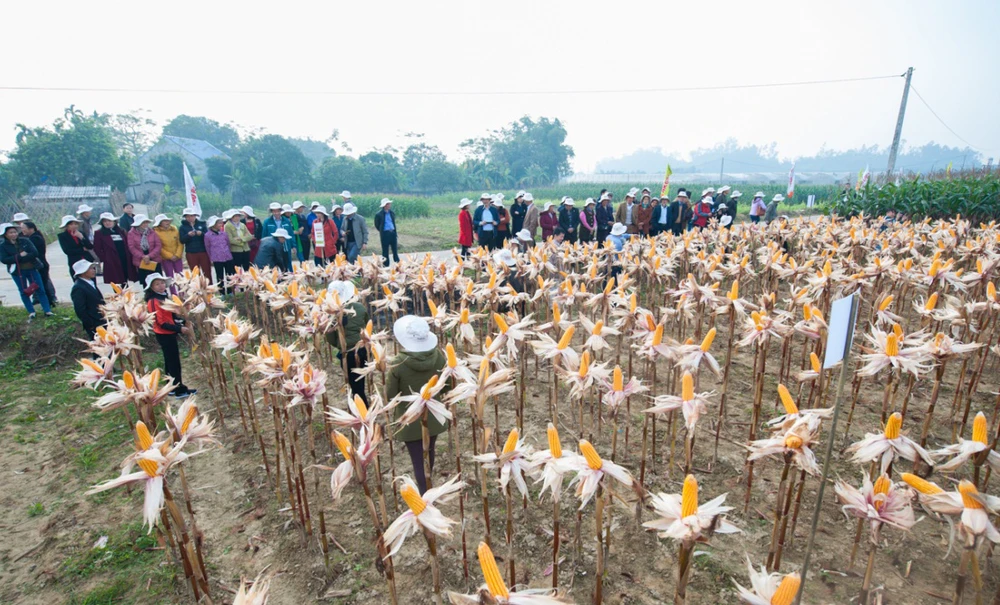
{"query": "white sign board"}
[(810, 201), (841, 330)]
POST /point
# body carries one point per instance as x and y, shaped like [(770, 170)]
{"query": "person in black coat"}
[(21, 258), (73, 243), (386, 225), (569, 219), (517, 211), (87, 297), (30, 230)]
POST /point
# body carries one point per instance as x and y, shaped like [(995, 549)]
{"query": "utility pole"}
[(722, 169), (899, 125)]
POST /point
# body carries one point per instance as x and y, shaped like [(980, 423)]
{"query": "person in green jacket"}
[(409, 372), (353, 324)]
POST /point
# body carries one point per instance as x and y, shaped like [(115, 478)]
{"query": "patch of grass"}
[(113, 592), (36, 509), (87, 457), (128, 548)]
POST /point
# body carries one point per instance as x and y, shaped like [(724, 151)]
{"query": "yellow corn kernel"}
[(827, 268), (707, 343), (494, 582), (468, 288), (657, 333), (566, 338), (386, 290), (893, 425), (584, 364), (787, 401), (757, 320), (689, 497), (412, 499), (633, 303), (969, 494), (189, 418), (555, 448), (145, 439), (935, 267), (275, 350), (343, 444), (793, 441), (920, 484), (991, 291), (493, 280), (787, 589), (154, 379), (611, 286), (432, 307), (541, 282), (307, 375), (597, 328), (425, 392), (979, 428), (464, 316), (885, 303), (556, 314), (892, 345), (814, 360), (501, 323), (734, 292), (807, 311), (931, 302), (150, 466), (90, 364), (898, 331), (619, 380), (286, 359), (687, 387), (511, 442), (450, 354), (590, 455), (882, 485)]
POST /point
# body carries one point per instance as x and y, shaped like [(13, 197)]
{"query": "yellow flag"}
[(665, 190)]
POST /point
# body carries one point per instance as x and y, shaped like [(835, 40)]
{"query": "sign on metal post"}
[(840, 337)]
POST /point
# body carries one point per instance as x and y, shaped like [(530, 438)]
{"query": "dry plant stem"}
[(555, 543), (866, 585), (725, 384), (425, 436), (784, 522), (509, 537), (683, 573), (381, 551), (935, 391), (761, 357), (778, 507), (435, 565), (599, 523), (798, 503), (963, 572)]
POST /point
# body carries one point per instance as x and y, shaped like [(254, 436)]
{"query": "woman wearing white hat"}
[(523, 241), (588, 221), (757, 207), (323, 236), (355, 233), (337, 216), (166, 327), (74, 244), (84, 211), (239, 240), (144, 246), (171, 248), (256, 229), (87, 298), (548, 220), (21, 258), (465, 227), (112, 249), (569, 220), (357, 357), (219, 253), (772, 208), (409, 371), (192, 234), (273, 223)]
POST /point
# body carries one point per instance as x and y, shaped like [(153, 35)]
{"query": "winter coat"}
[(588, 222), (569, 220), (76, 249), (642, 217), (193, 244), (164, 322), (360, 227), (270, 226), (106, 248), (87, 300), (239, 237), (702, 214), (125, 222), (605, 217), (41, 246), (517, 212), (772, 212), (548, 221), (380, 220), (680, 214), (170, 242), (330, 235), (464, 227), (531, 220), (408, 373), (271, 254), (135, 246), (217, 246), (353, 324), (10, 255), (621, 216), (503, 222), (477, 220)]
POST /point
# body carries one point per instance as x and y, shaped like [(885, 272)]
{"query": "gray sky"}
[(467, 46)]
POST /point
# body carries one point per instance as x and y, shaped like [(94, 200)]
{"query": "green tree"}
[(342, 172), (439, 176), (171, 165), (384, 170), (316, 151), (134, 132), (416, 155), (222, 136), (278, 165), (77, 150), (523, 149), (220, 172)]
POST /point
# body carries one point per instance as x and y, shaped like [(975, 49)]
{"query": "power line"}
[(410, 93), (934, 113)]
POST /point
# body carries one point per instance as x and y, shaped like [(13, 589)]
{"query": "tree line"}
[(102, 149)]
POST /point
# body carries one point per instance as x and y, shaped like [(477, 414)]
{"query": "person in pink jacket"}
[(588, 222), (144, 245)]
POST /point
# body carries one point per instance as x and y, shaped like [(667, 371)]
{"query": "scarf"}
[(144, 242)]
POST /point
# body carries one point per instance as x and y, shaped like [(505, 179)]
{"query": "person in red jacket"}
[(323, 234), (167, 327), (464, 226), (548, 220)]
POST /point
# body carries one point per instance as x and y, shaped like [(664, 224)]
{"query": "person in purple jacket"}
[(217, 246)]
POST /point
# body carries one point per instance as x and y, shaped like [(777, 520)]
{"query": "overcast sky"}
[(514, 46)]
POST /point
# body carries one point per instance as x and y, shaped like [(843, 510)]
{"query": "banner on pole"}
[(665, 190), (791, 182), (190, 191)]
